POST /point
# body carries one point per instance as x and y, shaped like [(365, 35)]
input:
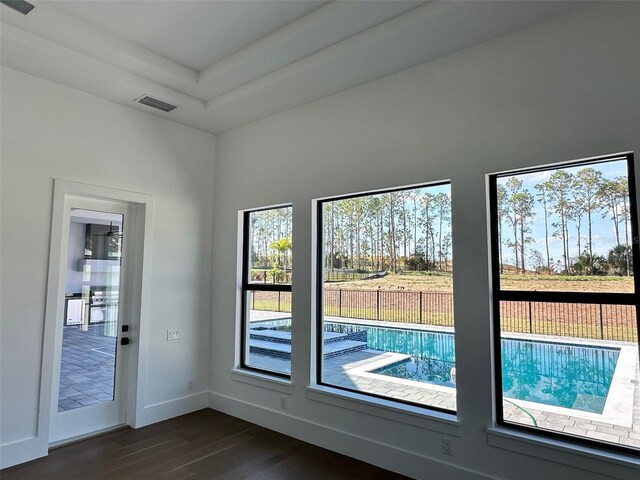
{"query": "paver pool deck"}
[(353, 371), (87, 367)]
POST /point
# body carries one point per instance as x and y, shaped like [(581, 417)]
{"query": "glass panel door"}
[(90, 331)]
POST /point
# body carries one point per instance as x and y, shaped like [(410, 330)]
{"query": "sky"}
[(603, 231)]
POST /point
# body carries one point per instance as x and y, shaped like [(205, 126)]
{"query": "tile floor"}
[(87, 369)]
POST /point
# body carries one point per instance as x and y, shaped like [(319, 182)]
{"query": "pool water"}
[(570, 376), (564, 375), (422, 370)]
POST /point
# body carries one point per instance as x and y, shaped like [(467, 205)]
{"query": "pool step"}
[(274, 336), (334, 349), (285, 337), (283, 350)]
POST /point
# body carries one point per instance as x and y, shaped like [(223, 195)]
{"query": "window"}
[(385, 309), (564, 247), (266, 291)]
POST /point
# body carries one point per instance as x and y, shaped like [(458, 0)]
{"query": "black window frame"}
[(320, 294), (608, 298), (248, 286)]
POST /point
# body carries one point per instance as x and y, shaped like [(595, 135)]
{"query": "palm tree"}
[(282, 246), (618, 259)]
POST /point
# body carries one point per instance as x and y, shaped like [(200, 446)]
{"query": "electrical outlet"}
[(446, 446), (283, 402), (190, 384), (173, 334)]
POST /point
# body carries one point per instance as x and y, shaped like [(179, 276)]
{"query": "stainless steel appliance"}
[(103, 305)]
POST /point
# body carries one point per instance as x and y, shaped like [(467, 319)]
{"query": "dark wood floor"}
[(202, 445)]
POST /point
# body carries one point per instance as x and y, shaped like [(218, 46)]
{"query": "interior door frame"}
[(76, 423), (136, 308)]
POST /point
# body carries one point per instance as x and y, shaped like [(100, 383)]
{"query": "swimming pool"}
[(559, 374)]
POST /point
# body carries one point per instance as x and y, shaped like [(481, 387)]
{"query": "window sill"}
[(262, 380), (579, 456), (415, 416)]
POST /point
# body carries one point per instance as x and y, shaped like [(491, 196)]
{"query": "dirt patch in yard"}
[(443, 282)]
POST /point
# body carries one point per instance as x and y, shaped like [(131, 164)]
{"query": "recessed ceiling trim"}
[(411, 25), (316, 31), (35, 55), (419, 36), (66, 30), (404, 42)]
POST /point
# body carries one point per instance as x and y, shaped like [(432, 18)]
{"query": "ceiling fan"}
[(111, 233)]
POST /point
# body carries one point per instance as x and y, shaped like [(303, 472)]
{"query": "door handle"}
[(125, 341)]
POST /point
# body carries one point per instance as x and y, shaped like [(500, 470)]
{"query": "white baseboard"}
[(370, 451), (172, 408), (28, 449), (22, 451)]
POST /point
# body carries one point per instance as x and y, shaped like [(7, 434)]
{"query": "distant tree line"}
[(271, 243), (393, 231), (568, 203), (411, 229)]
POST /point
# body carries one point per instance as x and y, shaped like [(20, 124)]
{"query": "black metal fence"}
[(270, 301), (346, 275), (581, 320), (606, 322), (391, 306)]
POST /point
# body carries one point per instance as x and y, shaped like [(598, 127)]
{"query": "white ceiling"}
[(228, 63), (78, 215), (194, 34)]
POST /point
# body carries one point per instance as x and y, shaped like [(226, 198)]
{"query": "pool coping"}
[(391, 358)]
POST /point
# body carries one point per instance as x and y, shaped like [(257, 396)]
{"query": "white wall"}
[(50, 131), (562, 90)]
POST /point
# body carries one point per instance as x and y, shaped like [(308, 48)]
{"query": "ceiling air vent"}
[(18, 5), (155, 103)]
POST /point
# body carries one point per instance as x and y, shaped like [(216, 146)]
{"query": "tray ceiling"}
[(228, 63)]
